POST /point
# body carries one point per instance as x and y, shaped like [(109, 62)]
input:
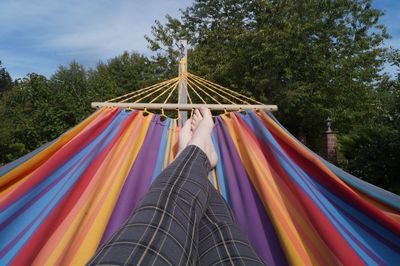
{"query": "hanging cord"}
[(172, 88), (190, 98), (219, 89), (169, 95), (157, 88), (206, 93), (145, 112), (141, 91), (223, 89), (191, 102), (198, 95), (228, 114), (163, 115), (226, 89), (209, 88), (138, 100), (191, 113), (179, 118)]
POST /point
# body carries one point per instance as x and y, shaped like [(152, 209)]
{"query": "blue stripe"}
[(162, 150), (375, 192), (306, 183), (378, 247), (84, 158), (8, 167), (219, 169)]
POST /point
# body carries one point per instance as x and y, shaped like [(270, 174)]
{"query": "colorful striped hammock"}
[(65, 199)]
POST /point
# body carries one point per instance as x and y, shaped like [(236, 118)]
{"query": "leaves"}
[(5, 80), (38, 110), (314, 59)]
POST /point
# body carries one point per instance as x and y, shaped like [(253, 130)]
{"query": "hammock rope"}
[(206, 93), (154, 90), (199, 92), (172, 88), (142, 90), (210, 88), (198, 95), (170, 94), (219, 89), (63, 201), (224, 88)]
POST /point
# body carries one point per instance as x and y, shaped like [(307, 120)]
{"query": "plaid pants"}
[(181, 220)]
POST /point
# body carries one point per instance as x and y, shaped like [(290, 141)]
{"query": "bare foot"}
[(185, 135), (196, 119), (202, 125)]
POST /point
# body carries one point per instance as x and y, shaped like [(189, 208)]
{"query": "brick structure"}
[(329, 144)]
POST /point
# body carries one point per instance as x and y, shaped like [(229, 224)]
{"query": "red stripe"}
[(32, 247), (326, 230), (333, 184), (59, 158)]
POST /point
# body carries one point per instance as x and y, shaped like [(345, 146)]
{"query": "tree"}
[(372, 150), (37, 110), (122, 74), (313, 58), (26, 117), (5, 79), (69, 86)]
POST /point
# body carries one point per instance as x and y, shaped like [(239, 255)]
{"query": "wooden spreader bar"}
[(185, 107)]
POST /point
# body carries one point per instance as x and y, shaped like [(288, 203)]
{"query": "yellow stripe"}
[(174, 143), (100, 212), (85, 231), (262, 179), (168, 148), (28, 166)]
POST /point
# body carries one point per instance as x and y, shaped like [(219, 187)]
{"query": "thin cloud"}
[(38, 36), (45, 34)]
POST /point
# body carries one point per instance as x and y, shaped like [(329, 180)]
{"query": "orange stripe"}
[(91, 231), (22, 170), (261, 176)]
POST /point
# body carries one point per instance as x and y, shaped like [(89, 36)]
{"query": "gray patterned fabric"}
[(182, 220)]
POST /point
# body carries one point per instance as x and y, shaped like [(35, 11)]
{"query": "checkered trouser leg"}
[(182, 220)]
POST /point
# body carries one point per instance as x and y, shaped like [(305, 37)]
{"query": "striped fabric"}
[(64, 200), (181, 220)]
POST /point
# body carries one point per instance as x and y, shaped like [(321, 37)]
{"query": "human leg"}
[(163, 228), (182, 219), (221, 242)]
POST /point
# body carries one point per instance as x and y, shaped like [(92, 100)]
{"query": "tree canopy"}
[(314, 59), (5, 79)]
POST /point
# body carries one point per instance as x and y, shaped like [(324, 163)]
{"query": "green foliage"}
[(37, 109), (372, 150), (23, 121), (373, 153), (313, 58), (5, 79)]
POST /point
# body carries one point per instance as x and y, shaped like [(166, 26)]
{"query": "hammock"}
[(62, 201)]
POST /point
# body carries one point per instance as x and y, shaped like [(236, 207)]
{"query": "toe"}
[(198, 114), (187, 124), (205, 112), (194, 123)]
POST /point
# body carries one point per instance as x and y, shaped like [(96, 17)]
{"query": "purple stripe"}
[(138, 180), (316, 193), (249, 210)]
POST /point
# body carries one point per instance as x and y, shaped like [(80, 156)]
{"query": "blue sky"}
[(39, 35)]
